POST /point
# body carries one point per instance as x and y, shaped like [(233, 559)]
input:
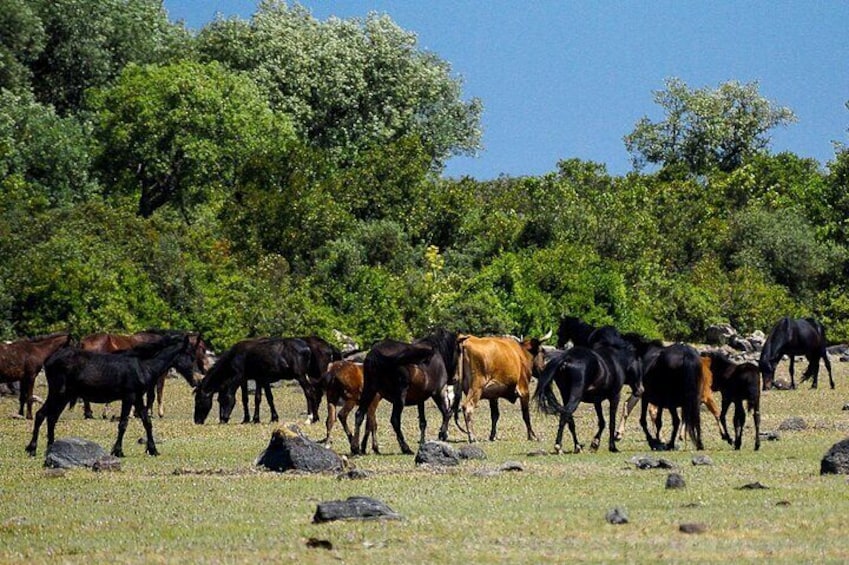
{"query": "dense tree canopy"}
[(281, 176)]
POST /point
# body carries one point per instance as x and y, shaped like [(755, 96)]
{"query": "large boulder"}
[(67, 453), (354, 508), (291, 450), (719, 334), (836, 460), (437, 453)]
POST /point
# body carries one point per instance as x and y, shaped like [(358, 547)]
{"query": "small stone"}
[(770, 436), (511, 466), (702, 460), (354, 474), (795, 423), (674, 480), (616, 516), (692, 528), (354, 508), (315, 543), (437, 453), (471, 452), (757, 485), (783, 503)]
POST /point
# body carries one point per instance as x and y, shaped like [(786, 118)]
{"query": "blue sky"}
[(569, 79)]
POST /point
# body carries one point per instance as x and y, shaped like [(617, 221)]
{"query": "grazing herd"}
[(454, 371)]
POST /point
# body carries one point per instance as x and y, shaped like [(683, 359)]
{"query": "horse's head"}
[(203, 404), (226, 403), (184, 363), (767, 373), (202, 355)]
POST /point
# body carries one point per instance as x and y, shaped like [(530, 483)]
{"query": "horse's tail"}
[(690, 409), (544, 395), (464, 375)]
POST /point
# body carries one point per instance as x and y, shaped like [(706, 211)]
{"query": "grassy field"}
[(201, 500)]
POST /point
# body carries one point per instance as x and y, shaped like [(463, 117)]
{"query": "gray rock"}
[(469, 451), (674, 480), (67, 453), (644, 462), (836, 459), (354, 508), (741, 344), (354, 474), (770, 436), (719, 334), (702, 460), (616, 516), (757, 485), (846, 406), (290, 450), (437, 453), (511, 466), (796, 423), (692, 528)]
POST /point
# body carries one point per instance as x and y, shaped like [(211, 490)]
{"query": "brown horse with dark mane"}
[(110, 343), (343, 385), (21, 361)]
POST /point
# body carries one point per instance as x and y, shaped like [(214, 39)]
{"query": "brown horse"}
[(110, 343), (21, 361), (737, 383), (343, 385)]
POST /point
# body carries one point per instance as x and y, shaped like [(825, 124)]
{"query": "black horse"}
[(107, 377), (672, 378), (588, 374), (407, 374), (791, 337), (322, 353), (736, 383), (262, 360)]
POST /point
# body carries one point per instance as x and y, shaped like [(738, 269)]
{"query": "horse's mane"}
[(47, 336)]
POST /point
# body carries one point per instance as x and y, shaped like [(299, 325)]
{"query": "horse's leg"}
[(126, 407), (676, 425), (395, 419), (614, 408), (495, 414), (46, 411), (371, 424), (558, 441), (257, 402), (270, 398), (87, 412), (331, 419), (644, 408), (422, 422), (148, 426), (245, 407), (444, 406), (366, 398), (657, 418), (526, 416), (726, 403), (627, 408), (813, 370), (160, 388), (710, 402), (828, 368), (25, 398), (739, 422), (599, 413), (756, 416), (793, 371)]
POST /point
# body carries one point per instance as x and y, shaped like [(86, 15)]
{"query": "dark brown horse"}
[(406, 374), (343, 385), (107, 377), (21, 361), (109, 343), (791, 337), (736, 383)]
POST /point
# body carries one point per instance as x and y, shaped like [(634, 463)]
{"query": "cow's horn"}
[(546, 336)]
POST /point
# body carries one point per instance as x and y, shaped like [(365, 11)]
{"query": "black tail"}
[(461, 385), (690, 409), (544, 395)]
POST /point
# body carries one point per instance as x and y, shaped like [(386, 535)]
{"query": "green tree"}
[(88, 42), (22, 39), (350, 85), (184, 134), (705, 129), (49, 154)]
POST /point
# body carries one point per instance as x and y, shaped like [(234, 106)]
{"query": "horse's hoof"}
[(613, 448), (153, 452), (406, 450), (30, 451), (117, 453)]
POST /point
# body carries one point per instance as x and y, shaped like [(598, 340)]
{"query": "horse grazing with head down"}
[(264, 361), (21, 361), (106, 377), (593, 375), (791, 337)]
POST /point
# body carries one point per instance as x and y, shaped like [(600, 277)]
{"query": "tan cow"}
[(497, 367)]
